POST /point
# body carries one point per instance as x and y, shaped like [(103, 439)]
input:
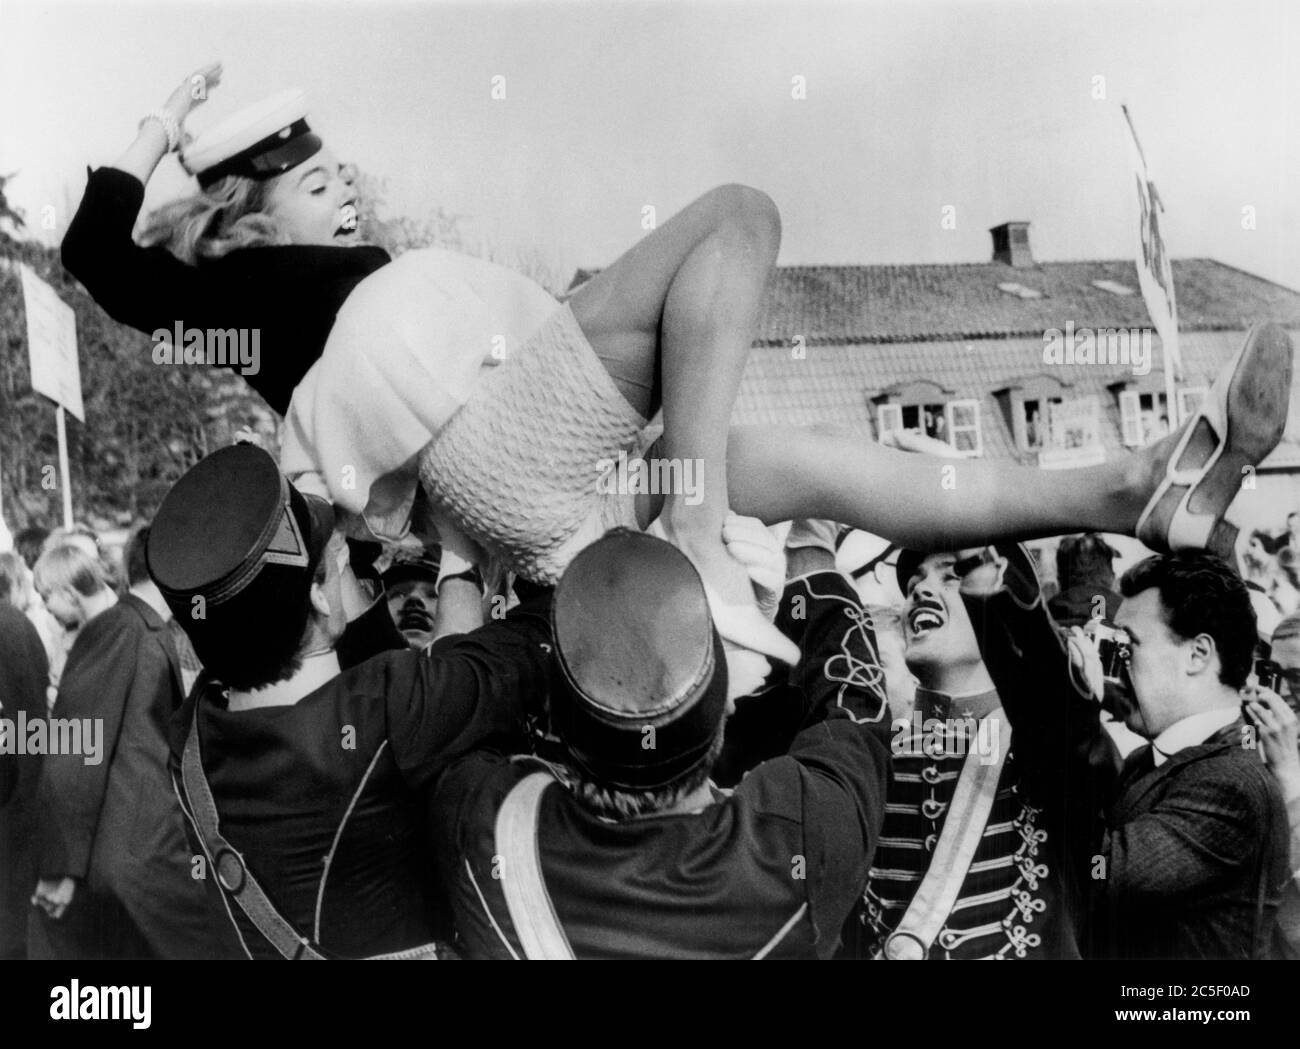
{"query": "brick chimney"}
[(1011, 244)]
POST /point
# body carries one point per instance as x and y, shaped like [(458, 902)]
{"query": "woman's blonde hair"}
[(229, 214)]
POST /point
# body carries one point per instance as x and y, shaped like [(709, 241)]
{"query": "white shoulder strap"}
[(531, 910), (968, 815)]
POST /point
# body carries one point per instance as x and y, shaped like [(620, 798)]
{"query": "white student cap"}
[(259, 142)]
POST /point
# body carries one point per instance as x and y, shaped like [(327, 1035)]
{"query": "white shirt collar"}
[(1192, 730)]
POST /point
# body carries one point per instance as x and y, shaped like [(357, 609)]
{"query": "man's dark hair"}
[(28, 543), (137, 568), (1085, 560), (615, 804), (1201, 594), (1271, 543), (276, 654)]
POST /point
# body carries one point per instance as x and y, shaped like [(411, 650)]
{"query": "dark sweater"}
[(290, 294)]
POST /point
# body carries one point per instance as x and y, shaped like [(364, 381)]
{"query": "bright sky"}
[(911, 106)]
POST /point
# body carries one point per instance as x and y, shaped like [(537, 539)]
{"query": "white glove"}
[(751, 543), (813, 532), (747, 670)]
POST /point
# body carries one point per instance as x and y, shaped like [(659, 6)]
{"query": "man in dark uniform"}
[(633, 853), (302, 779), (989, 833)]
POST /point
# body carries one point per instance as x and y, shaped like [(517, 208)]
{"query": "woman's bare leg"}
[(779, 473), (684, 304)]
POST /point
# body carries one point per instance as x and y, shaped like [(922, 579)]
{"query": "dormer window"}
[(956, 422)]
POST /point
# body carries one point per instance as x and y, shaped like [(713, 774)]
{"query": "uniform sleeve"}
[(482, 685), (146, 288), (833, 780), (370, 634), (95, 686), (1060, 740)]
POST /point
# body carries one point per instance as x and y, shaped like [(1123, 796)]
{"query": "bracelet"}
[(169, 126)]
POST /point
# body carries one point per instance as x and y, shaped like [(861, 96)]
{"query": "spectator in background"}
[(1286, 653), (1085, 570), (1259, 569), (413, 590), (28, 543), (16, 576), (23, 676), (70, 595), (13, 580), (1276, 724), (113, 864), (79, 535), (1286, 582)]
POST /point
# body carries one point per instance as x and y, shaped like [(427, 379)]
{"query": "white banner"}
[(52, 344), (1155, 274)]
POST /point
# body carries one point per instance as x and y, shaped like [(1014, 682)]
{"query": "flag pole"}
[(64, 473)]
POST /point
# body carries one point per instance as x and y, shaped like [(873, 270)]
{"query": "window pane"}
[(1130, 414)]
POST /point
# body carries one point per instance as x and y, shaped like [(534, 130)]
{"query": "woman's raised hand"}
[(193, 91)]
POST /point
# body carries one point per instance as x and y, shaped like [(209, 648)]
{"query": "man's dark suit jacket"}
[(116, 826), (23, 677), (1197, 856)]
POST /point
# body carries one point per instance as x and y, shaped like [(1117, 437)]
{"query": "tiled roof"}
[(882, 304), (907, 303)]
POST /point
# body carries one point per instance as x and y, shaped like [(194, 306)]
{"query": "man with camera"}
[(1197, 850)]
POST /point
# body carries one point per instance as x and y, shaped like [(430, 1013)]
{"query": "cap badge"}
[(286, 546)]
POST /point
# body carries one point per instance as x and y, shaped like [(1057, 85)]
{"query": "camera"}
[(1269, 674), (1114, 647)]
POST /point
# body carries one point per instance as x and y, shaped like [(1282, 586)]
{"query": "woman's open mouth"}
[(347, 221)]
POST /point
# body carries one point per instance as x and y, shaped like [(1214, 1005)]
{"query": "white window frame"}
[(889, 419), (1130, 418), (1021, 404), (950, 423)]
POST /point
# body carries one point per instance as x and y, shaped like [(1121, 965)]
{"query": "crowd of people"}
[(422, 768), (429, 686)]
